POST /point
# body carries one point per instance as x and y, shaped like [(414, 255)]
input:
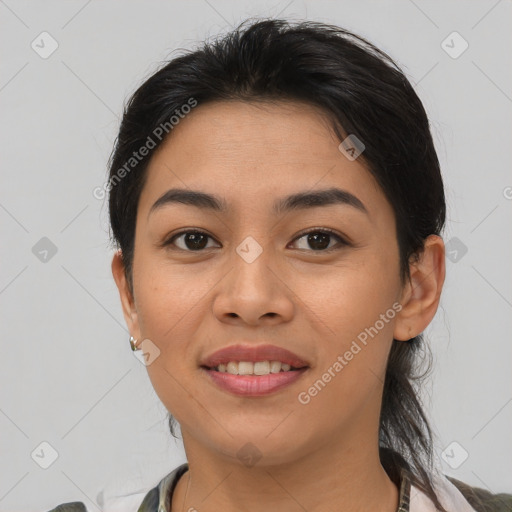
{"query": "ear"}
[(421, 293), (127, 300)]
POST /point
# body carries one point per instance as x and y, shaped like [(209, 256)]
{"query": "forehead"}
[(251, 153)]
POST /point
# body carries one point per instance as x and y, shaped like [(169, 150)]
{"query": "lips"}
[(254, 386), (253, 353)]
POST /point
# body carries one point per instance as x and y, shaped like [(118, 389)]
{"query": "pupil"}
[(195, 241), (319, 240)]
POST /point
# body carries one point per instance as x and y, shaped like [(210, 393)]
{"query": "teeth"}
[(245, 368), (250, 368), (232, 368)]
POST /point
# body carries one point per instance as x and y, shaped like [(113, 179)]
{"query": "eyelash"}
[(341, 241)]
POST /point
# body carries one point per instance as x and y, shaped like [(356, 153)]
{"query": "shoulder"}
[(75, 506), (483, 500), (460, 496), (154, 500), (146, 502)]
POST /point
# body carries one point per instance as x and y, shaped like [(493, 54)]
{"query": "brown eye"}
[(320, 240), (190, 240)]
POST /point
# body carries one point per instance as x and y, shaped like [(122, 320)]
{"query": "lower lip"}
[(254, 385)]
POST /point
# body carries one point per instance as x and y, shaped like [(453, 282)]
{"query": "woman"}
[(277, 204)]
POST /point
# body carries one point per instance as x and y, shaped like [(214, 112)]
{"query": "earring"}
[(133, 343)]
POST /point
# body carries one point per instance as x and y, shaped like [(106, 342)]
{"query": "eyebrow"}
[(300, 200)]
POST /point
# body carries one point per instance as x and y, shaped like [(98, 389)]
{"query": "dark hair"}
[(364, 93)]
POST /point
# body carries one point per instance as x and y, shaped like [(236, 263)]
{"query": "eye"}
[(191, 240), (319, 240)]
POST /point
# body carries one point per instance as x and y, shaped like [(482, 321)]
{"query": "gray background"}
[(68, 376)]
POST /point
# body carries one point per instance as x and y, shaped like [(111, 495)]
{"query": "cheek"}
[(170, 308), (342, 300), (352, 311), (166, 296)]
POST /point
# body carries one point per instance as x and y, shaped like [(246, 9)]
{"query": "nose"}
[(253, 293)]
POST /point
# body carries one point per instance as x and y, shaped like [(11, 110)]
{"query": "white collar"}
[(449, 496)]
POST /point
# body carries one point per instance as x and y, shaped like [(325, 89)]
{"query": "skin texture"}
[(315, 456)]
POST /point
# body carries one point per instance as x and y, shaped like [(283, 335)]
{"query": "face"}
[(318, 279)]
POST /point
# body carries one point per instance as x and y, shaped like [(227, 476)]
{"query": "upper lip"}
[(253, 353)]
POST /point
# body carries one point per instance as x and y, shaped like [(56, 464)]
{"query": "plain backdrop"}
[(68, 376)]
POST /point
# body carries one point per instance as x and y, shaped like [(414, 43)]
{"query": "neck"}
[(353, 480)]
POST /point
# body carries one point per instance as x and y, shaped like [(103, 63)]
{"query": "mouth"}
[(253, 370), (247, 359)]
